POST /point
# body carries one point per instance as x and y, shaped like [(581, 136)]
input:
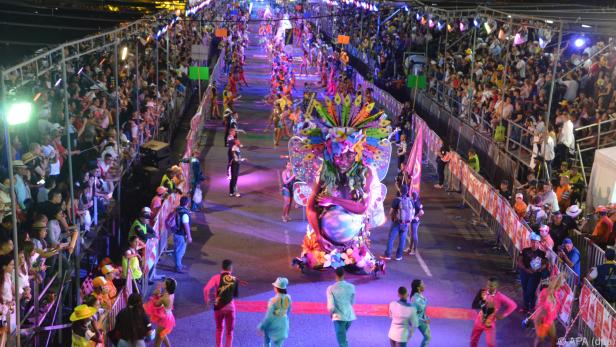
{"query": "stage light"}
[(518, 39), (58, 82), (423, 21), (477, 22), (18, 113), (579, 42), (431, 23), (418, 16), (549, 21), (80, 71), (406, 8), (449, 27), (124, 53), (462, 26), (440, 25), (586, 26)]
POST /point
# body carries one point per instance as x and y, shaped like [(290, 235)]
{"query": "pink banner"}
[(413, 163)]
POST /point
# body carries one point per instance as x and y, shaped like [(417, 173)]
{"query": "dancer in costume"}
[(489, 301), (288, 178), (548, 307), (341, 157), (160, 311)]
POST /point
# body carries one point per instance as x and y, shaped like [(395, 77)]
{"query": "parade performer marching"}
[(489, 301), (339, 160), (548, 307)]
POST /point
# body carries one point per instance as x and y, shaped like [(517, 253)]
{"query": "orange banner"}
[(344, 39), (221, 32)]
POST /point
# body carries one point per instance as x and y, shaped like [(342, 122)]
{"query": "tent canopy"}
[(602, 185)]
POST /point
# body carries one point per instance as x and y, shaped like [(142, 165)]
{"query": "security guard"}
[(141, 226)]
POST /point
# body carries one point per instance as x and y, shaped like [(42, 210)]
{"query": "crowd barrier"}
[(155, 247), (510, 231), (597, 318)]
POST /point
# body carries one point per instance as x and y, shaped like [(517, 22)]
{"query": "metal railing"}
[(588, 139)]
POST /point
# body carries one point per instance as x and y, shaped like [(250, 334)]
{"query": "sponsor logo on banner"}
[(598, 326), (566, 295), (606, 326), (584, 303), (413, 164)]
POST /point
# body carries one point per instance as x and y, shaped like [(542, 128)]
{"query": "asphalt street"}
[(455, 256)]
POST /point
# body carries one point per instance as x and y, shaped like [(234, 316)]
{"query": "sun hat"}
[(18, 163), (573, 211), (28, 157), (281, 283), (82, 312), (107, 269), (99, 281)]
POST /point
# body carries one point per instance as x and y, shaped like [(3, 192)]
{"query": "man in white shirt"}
[(340, 300), (404, 319), (566, 141), (549, 197)]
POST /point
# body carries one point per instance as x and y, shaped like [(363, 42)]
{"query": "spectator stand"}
[(449, 34), (513, 234), (54, 77)]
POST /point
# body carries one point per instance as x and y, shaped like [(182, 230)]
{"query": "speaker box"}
[(156, 149)]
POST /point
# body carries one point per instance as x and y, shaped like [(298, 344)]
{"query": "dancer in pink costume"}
[(548, 307), (490, 301)]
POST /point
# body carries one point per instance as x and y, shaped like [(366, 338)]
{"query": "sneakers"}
[(398, 258), (384, 257), (438, 186), (237, 195)]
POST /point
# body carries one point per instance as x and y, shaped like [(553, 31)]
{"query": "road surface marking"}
[(375, 310), (423, 264)]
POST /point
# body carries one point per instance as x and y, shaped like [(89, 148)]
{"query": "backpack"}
[(406, 210), (171, 223)]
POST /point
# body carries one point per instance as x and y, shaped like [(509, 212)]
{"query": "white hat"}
[(573, 211), (535, 237), (146, 211), (519, 195)]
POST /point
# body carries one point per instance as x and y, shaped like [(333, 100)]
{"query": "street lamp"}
[(16, 113)]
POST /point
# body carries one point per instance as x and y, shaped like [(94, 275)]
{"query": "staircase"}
[(588, 139)]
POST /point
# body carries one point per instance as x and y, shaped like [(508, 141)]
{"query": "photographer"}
[(570, 255)]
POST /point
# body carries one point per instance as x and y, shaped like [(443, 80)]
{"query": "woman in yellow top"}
[(132, 260)]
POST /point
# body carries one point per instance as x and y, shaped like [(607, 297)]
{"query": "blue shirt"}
[(574, 257), (340, 300), (420, 303)]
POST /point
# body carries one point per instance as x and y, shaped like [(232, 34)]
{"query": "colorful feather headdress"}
[(344, 125)]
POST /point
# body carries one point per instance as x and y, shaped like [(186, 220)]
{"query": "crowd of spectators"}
[(509, 81), (501, 87), (50, 225)]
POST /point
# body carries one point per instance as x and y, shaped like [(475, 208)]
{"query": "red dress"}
[(160, 315), (550, 308)]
